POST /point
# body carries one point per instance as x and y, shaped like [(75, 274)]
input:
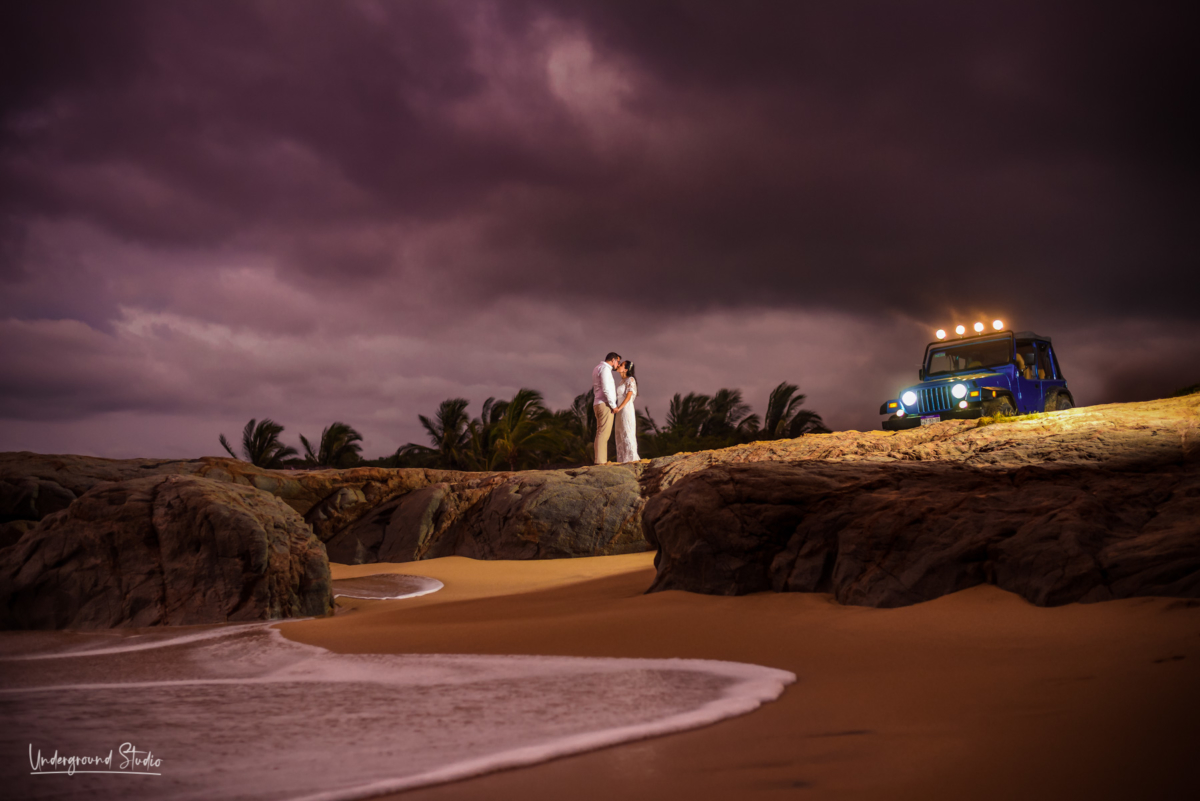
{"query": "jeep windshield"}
[(955, 358)]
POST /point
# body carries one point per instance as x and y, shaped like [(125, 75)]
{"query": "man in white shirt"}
[(604, 393)]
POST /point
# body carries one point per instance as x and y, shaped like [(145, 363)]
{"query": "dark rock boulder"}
[(164, 550), (12, 531), (548, 514), (78, 474), (31, 498), (892, 535), (411, 527)]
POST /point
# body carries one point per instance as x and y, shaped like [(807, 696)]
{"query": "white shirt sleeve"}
[(610, 389)]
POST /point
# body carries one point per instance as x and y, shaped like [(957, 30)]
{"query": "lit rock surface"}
[(369, 514), (164, 550), (1084, 505), (531, 515)]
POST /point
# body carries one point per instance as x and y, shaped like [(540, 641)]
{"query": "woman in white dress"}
[(626, 422)]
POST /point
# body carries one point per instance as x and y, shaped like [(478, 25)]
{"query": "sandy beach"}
[(975, 695)]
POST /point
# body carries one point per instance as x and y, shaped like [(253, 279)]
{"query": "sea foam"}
[(242, 712), (385, 586)]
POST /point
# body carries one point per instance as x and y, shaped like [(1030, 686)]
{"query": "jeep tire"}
[(999, 406)]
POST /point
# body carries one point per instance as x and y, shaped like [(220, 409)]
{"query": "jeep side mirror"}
[(921, 374)]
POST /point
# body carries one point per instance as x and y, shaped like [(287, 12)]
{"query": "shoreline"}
[(977, 694)]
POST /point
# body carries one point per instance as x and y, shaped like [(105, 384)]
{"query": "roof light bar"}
[(979, 327)]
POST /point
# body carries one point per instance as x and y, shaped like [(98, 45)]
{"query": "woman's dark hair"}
[(629, 369)]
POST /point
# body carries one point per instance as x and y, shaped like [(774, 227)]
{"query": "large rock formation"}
[(369, 514), (1114, 435), (1081, 506), (533, 515), (171, 550), (375, 514)]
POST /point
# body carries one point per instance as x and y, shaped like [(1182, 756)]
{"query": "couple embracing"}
[(613, 401)]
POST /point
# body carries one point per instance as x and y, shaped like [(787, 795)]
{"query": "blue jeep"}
[(1004, 372)]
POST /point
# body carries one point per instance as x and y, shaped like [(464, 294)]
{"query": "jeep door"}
[(1048, 363), (1029, 384)]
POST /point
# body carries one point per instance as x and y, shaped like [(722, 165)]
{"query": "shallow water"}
[(241, 712), (385, 586)]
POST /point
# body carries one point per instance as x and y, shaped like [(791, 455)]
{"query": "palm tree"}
[(522, 429), (646, 425), (785, 417), (576, 427), (261, 445), (583, 411), (806, 422), (747, 430), (725, 412), (449, 431), (480, 433), (338, 447), (687, 414)]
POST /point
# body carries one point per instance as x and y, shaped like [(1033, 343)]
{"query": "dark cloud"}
[(247, 203)]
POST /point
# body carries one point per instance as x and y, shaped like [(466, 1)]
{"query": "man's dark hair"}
[(612, 356)]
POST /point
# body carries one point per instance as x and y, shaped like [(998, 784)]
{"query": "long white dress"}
[(626, 422)]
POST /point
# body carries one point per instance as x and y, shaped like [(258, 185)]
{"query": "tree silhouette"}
[(576, 427), (522, 430), (785, 418), (338, 447), (646, 425), (522, 433), (260, 444), (725, 412), (449, 431), (687, 414)]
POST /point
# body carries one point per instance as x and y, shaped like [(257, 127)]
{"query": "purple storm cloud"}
[(312, 211)]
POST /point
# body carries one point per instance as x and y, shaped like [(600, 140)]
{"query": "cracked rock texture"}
[(164, 550), (1086, 505), (369, 514), (539, 514)]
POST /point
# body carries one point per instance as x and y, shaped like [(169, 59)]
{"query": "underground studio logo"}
[(126, 759)]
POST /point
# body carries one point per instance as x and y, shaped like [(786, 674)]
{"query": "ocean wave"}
[(242, 712)]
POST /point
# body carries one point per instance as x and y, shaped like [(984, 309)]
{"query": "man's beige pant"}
[(604, 424)]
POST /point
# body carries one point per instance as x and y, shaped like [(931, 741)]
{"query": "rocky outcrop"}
[(164, 550), (1115, 435), (369, 514), (375, 514), (28, 498), (329, 497), (1073, 507), (532, 515)]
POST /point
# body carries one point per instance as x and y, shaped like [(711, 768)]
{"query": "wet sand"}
[(976, 695)]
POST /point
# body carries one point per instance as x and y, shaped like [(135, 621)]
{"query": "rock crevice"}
[(892, 535)]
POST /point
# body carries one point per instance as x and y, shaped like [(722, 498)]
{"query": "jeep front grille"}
[(935, 399)]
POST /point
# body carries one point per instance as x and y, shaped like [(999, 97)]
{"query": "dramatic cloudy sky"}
[(317, 211)]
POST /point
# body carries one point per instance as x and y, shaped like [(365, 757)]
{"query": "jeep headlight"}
[(959, 390), (909, 398)]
